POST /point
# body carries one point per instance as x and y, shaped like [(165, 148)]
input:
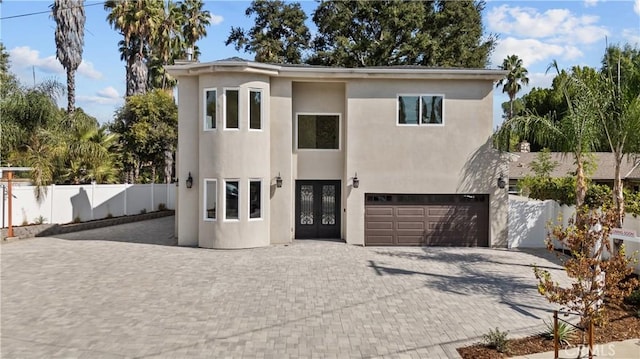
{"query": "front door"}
[(317, 209)]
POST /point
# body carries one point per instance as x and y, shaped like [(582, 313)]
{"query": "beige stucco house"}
[(373, 156)]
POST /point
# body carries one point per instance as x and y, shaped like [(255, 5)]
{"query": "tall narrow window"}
[(255, 199), (210, 199), (232, 194), (232, 107), (255, 109), (210, 109)]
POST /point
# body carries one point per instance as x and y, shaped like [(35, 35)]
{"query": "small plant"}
[(565, 332), (162, 207), (496, 340), (109, 215), (25, 222), (76, 219), (39, 220), (634, 297), (143, 211)]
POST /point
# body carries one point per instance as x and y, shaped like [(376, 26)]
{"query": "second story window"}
[(421, 109), (231, 108), (255, 109), (210, 103)]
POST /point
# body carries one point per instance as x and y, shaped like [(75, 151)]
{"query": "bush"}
[(76, 220), (143, 211), (496, 340), (566, 331), (162, 207), (39, 220), (634, 297)]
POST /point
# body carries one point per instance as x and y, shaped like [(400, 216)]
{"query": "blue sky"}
[(572, 32)]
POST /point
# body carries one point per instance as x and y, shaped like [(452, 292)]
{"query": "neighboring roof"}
[(190, 68), (630, 166)]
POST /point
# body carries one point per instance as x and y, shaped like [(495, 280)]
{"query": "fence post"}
[(555, 335), (53, 190), (152, 199), (590, 339), (125, 199)]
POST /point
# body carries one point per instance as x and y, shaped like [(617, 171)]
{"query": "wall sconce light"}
[(189, 181), (279, 181), (177, 181), (501, 182), (356, 181)]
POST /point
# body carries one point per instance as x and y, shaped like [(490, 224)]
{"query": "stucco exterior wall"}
[(454, 158), (236, 154), (187, 161)]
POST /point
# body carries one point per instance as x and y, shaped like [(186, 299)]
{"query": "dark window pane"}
[(255, 113), (319, 131), (210, 114), (232, 108), (432, 109), (408, 110), (231, 200), (306, 204), (255, 199), (211, 199)]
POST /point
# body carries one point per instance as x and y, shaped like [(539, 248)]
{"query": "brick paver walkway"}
[(64, 298)]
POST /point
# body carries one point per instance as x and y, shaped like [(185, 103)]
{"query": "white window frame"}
[(204, 109), (298, 114), (249, 91), (224, 113), (420, 113), (249, 199), (224, 197), (204, 204)]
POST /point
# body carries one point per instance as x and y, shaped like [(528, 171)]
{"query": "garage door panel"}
[(404, 240), (410, 212), (380, 225), (377, 240), (410, 225)]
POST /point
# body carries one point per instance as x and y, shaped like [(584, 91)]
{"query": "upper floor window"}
[(210, 103), (231, 108), (421, 109), (255, 109), (319, 131)]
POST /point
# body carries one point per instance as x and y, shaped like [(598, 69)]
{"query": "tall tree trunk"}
[(618, 195), (139, 76), (168, 163), (581, 191), (71, 91)]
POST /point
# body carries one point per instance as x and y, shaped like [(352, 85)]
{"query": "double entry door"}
[(317, 209)]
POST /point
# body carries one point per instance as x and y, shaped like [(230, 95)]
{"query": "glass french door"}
[(317, 209)]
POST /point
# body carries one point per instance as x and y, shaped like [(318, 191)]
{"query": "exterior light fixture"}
[(177, 181), (279, 181), (356, 181), (189, 181), (501, 182)]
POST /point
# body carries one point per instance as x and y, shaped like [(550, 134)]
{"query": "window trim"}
[(419, 124), (204, 109), (261, 91), (224, 215), (297, 125), (224, 110), (204, 202), (259, 180)]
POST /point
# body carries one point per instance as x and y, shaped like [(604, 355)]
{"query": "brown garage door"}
[(427, 220)]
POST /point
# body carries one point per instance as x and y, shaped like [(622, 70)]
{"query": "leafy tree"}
[(594, 279), (378, 33), (279, 34), (147, 127), (70, 18)]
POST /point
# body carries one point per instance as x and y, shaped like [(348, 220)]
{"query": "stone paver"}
[(110, 298)]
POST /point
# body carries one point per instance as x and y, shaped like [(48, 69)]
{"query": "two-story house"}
[(373, 156)]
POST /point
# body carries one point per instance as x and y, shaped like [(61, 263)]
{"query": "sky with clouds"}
[(571, 32)]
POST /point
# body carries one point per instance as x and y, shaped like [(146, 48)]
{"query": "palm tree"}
[(512, 83), (70, 18), (195, 25)]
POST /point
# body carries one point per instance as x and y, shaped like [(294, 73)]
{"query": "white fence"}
[(66, 203), (529, 222)]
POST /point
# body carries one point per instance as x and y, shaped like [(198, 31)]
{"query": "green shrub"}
[(162, 207), (143, 211), (566, 331), (76, 219), (496, 340), (39, 220), (634, 297), (109, 215)]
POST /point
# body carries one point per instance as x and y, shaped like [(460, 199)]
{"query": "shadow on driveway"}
[(158, 231)]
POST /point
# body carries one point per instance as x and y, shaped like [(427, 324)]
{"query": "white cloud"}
[(24, 57), (590, 3), (532, 51), (636, 7), (632, 36), (216, 19), (105, 96), (554, 25), (540, 79)]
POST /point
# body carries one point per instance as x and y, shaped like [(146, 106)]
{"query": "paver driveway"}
[(109, 299)]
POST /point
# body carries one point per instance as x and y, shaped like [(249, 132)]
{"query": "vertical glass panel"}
[(319, 132), (231, 199), (255, 199), (329, 204), (432, 109), (211, 197), (408, 110), (232, 108), (210, 110), (255, 112), (306, 204)]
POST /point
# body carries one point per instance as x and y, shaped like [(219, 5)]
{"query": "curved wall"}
[(241, 154)]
